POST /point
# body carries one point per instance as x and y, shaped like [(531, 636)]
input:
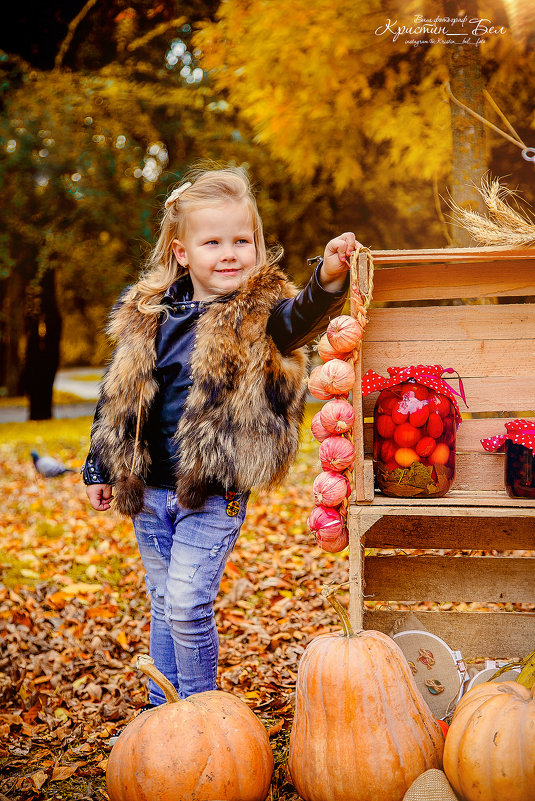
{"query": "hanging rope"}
[(528, 153), (500, 113), (360, 301), (138, 427)]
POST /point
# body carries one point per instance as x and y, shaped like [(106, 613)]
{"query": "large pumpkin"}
[(490, 747), (209, 746), (361, 730)]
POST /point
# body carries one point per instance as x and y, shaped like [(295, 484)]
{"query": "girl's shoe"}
[(110, 742)]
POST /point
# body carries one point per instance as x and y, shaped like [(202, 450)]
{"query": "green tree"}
[(63, 226), (85, 161), (89, 156)]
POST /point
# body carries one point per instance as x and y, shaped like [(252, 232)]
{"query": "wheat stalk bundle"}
[(504, 225)]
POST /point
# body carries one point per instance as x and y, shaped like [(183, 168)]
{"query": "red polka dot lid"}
[(429, 375), (520, 431)]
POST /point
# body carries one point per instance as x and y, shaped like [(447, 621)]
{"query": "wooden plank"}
[(369, 483), (452, 255), (496, 394), (451, 323), (486, 579), (456, 503), (481, 358), (479, 471), (493, 635), (360, 286), (456, 533), (356, 564), (469, 280), (469, 434)]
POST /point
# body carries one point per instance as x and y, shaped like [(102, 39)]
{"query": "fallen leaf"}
[(103, 611), (122, 640), (81, 588), (93, 691), (27, 573), (11, 718), (62, 772), (276, 728), (42, 680), (39, 778)]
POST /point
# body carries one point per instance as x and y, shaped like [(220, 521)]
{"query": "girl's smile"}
[(218, 248)]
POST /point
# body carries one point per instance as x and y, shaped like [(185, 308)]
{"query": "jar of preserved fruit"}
[(519, 447), (415, 421)]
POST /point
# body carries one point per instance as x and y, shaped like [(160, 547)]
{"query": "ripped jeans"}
[(184, 553)]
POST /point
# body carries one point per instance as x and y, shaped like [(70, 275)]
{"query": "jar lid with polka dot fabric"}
[(430, 375), (519, 431)]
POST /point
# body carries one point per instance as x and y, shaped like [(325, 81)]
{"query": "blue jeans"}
[(184, 553)]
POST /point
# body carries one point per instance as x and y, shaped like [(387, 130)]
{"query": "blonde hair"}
[(206, 187)]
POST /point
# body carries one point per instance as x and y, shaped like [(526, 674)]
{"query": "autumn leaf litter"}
[(74, 616)]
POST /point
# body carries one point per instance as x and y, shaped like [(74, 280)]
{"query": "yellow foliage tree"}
[(329, 86)]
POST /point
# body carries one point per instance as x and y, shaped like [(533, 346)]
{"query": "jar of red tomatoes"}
[(519, 470), (519, 447), (415, 422)]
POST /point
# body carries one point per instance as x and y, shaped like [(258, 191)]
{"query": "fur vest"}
[(240, 423)]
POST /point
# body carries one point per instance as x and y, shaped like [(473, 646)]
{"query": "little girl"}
[(201, 401)]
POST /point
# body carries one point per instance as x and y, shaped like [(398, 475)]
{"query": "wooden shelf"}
[(456, 503), (451, 255), (475, 545)]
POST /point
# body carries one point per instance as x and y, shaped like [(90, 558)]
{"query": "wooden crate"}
[(492, 346)]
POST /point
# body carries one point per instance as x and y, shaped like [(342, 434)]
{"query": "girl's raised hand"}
[(336, 261)]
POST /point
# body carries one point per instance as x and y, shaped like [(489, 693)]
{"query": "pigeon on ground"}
[(49, 467)]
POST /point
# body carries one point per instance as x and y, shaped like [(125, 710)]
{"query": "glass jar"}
[(519, 470), (414, 441)]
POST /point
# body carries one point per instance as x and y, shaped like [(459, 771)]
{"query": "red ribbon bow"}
[(428, 375), (519, 431)]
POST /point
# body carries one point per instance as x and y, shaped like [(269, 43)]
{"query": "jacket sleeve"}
[(93, 471), (296, 321)]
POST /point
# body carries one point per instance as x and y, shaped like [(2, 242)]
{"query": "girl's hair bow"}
[(176, 193)]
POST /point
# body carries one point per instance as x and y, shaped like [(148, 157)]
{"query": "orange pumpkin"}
[(361, 730), (490, 748), (208, 746)]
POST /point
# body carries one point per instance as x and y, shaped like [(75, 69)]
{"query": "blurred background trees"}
[(106, 104)]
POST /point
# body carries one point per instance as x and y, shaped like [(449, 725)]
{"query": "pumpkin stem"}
[(145, 664), (527, 673), (330, 594)]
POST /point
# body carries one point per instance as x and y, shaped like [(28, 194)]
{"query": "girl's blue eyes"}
[(238, 241)]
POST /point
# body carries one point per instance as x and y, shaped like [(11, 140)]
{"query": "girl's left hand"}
[(336, 261)]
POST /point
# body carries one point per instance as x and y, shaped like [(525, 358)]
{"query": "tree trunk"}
[(42, 351), (12, 335), (468, 134)]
